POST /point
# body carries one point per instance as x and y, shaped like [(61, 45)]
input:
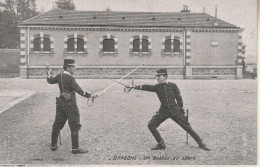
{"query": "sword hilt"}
[(90, 101)]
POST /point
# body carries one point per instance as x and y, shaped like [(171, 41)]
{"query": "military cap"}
[(161, 72), (69, 62)]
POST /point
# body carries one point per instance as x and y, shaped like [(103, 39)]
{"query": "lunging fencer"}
[(66, 105), (168, 93)]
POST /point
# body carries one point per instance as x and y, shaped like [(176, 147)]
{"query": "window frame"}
[(113, 52), (109, 51), (41, 50), (144, 50), (80, 42), (172, 52)]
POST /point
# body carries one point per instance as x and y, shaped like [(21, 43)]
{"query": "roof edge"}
[(35, 17), (116, 26)]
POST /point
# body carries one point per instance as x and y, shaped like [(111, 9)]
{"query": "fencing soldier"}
[(66, 105), (167, 93)]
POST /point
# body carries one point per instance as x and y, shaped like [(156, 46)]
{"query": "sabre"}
[(187, 135), (91, 100), (60, 138)]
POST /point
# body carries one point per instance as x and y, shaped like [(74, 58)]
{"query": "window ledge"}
[(75, 53), (140, 53), (108, 53), (171, 54), (42, 53)]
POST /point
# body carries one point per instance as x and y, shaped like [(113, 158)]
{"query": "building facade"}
[(189, 45)]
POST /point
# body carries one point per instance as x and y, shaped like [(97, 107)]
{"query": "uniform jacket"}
[(168, 94), (69, 84)]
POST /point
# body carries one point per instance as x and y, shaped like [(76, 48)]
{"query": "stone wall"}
[(110, 72), (213, 71)]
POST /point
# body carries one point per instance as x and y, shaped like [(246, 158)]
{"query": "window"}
[(176, 45), (79, 46), (37, 44), (41, 43), (136, 44), (171, 45), (70, 45), (140, 45), (46, 44), (108, 45), (168, 45), (144, 45)]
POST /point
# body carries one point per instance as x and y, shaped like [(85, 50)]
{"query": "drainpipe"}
[(28, 51), (184, 53)]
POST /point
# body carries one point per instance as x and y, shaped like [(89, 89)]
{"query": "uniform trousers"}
[(177, 117), (66, 112)]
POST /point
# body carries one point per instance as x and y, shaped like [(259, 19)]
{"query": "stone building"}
[(108, 43)]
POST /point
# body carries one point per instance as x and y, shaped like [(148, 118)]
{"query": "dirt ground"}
[(222, 112)]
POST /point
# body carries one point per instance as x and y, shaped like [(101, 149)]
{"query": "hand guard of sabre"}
[(129, 87)]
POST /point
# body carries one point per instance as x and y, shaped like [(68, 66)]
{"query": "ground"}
[(222, 112)]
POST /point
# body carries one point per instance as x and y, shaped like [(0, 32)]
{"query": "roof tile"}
[(131, 19)]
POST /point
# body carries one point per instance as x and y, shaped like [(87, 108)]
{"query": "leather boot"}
[(75, 144), (204, 147), (54, 140), (79, 151), (197, 138), (159, 146)]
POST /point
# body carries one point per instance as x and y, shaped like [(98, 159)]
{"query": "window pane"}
[(70, 45), (37, 44), (46, 44), (176, 45), (80, 45), (136, 43), (168, 45), (108, 45), (144, 45)]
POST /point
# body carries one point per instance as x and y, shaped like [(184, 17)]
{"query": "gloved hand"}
[(94, 95), (49, 72), (127, 85)]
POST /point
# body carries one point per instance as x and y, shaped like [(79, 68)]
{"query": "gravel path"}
[(222, 112)]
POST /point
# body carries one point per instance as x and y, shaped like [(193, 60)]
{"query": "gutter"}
[(28, 51)]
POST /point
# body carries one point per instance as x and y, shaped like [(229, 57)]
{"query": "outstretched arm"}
[(149, 88), (78, 89)]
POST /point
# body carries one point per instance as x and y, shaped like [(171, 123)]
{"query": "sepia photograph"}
[(128, 82)]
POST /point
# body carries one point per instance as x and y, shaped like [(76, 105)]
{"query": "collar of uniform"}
[(66, 72), (164, 82)]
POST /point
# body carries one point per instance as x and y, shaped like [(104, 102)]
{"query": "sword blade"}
[(115, 81), (104, 90)]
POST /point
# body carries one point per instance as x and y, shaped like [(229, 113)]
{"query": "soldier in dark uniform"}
[(66, 107), (167, 93)]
